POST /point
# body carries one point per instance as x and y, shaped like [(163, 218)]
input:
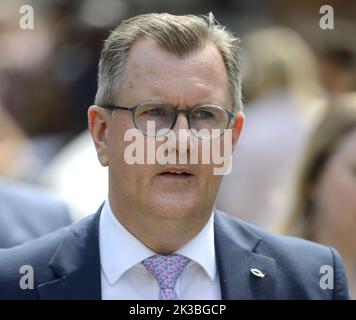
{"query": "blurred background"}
[(293, 75)]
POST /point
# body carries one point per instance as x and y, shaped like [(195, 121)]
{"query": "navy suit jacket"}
[(27, 212), (66, 264)]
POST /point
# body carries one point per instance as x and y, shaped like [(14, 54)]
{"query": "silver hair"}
[(180, 35)]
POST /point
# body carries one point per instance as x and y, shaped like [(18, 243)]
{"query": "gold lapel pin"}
[(258, 273)]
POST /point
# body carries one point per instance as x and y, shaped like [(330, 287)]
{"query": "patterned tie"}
[(166, 270)]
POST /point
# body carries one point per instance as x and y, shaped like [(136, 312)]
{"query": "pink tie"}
[(166, 270)]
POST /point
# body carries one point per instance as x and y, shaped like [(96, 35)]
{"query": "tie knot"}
[(166, 269)]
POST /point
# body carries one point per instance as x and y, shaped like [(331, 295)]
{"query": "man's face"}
[(154, 190)]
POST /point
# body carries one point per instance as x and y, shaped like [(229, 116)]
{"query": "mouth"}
[(176, 173)]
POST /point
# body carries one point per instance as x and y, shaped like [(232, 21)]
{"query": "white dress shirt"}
[(123, 277)]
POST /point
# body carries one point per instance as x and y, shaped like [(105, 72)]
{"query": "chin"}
[(173, 209)]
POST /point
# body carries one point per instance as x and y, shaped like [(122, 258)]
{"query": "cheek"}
[(338, 193), (128, 177), (208, 182)]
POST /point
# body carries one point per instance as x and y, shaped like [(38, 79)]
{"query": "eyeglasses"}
[(205, 121)]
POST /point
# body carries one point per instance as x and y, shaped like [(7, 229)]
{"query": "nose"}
[(181, 122), (181, 131)]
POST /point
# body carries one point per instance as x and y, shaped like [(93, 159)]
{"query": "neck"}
[(163, 235)]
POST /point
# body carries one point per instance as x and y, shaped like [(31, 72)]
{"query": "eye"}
[(155, 112), (204, 115)]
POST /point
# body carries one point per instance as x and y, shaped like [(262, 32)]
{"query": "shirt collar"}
[(201, 249), (114, 239), (119, 249)]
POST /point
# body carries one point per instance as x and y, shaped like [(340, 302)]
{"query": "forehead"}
[(349, 143), (154, 73), (346, 150)]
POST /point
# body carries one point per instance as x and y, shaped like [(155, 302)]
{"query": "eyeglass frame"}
[(177, 111)]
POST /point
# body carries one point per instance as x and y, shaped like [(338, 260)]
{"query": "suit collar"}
[(76, 263), (236, 248)]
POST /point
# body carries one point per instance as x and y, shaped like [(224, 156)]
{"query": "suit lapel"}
[(236, 254), (76, 262)]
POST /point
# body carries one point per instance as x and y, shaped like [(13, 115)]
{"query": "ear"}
[(239, 121), (98, 122)]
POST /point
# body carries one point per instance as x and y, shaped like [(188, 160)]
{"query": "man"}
[(157, 236), (27, 213)]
